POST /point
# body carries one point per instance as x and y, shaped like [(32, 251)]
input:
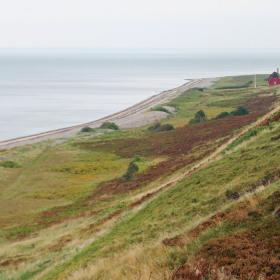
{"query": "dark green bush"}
[(9, 164), (232, 195), (131, 170), (199, 117), (154, 127), (161, 109), (109, 125), (223, 115), (240, 111), (87, 129), (157, 127), (166, 127)]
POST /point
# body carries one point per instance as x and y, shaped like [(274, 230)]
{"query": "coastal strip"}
[(136, 115)]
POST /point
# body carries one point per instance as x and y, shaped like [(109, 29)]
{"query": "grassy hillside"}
[(205, 196)]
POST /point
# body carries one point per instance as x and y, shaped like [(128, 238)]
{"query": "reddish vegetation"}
[(251, 254), (246, 256), (178, 145), (196, 271), (182, 140)]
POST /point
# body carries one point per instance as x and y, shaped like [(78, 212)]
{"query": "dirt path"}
[(137, 115)]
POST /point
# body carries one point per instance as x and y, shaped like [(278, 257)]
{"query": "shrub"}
[(86, 129), (131, 170), (109, 125), (157, 127), (161, 109), (166, 127), (232, 195), (199, 117), (154, 127), (9, 164), (223, 115), (199, 89), (240, 111)]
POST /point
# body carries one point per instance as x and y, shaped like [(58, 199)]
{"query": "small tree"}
[(199, 117), (131, 170)]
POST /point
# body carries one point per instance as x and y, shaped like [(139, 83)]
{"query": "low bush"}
[(199, 117), (166, 127), (157, 127), (109, 125), (87, 129), (199, 89), (154, 127), (232, 195), (161, 109), (240, 111), (223, 115), (9, 164)]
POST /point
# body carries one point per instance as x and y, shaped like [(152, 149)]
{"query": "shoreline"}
[(123, 118)]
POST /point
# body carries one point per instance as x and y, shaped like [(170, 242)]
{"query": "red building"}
[(274, 79)]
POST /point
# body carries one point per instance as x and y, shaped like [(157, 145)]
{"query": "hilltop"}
[(195, 196)]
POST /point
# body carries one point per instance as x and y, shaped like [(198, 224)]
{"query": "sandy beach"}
[(134, 116)]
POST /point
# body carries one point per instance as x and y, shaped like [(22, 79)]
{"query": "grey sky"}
[(191, 24)]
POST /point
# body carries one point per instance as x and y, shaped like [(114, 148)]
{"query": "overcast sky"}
[(182, 24)]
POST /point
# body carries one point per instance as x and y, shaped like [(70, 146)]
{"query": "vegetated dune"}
[(203, 202)]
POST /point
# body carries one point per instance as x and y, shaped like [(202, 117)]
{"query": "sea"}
[(41, 90)]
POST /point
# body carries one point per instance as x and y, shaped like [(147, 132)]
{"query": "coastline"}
[(134, 116)]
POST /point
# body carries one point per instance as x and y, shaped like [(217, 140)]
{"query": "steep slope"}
[(199, 220)]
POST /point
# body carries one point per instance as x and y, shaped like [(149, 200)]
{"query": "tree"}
[(199, 117), (131, 170)]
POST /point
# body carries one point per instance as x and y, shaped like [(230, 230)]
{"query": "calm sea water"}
[(45, 90)]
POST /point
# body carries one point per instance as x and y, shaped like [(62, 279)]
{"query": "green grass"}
[(175, 209), (62, 178), (240, 82)]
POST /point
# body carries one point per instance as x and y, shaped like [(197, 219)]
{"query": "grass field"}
[(68, 213)]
